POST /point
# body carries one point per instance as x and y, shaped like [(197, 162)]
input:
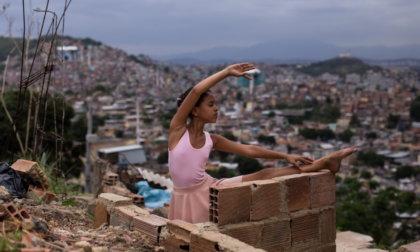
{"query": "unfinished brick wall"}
[(290, 213)]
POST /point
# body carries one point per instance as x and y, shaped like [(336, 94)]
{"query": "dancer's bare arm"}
[(180, 118), (252, 151)]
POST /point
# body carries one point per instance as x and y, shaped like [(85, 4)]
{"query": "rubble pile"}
[(111, 184), (39, 221)]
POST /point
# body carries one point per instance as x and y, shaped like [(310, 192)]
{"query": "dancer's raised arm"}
[(180, 118)]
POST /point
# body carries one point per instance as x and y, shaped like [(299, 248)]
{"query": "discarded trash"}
[(153, 198), (10, 179)]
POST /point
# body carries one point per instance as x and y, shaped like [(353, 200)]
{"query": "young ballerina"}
[(190, 146)]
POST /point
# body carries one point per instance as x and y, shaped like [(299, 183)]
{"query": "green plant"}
[(90, 216), (69, 202)]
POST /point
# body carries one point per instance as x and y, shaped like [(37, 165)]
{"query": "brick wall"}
[(289, 213)]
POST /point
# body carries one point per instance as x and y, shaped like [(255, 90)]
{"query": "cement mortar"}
[(304, 212)]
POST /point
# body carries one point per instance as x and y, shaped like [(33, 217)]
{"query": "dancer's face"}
[(207, 111)]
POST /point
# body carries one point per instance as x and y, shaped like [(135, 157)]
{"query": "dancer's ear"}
[(194, 111)]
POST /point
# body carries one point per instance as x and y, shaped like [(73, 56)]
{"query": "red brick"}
[(265, 199), (206, 242), (327, 225), (209, 241), (181, 229), (275, 235), (101, 215), (46, 196), (111, 201), (8, 211), (305, 229), (247, 232), (149, 225), (328, 248), (297, 192), (123, 216), (29, 169), (137, 199), (322, 189), (231, 203), (175, 244)]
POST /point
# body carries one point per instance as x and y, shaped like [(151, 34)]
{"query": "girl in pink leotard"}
[(189, 149)]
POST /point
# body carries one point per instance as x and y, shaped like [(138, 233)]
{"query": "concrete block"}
[(322, 189), (305, 229), (328, 233), (29, 169), (112, 200), (230, 203), (293, 192), (149, 225), (210, 241), (265, 199), (101, 215), (275, 235)]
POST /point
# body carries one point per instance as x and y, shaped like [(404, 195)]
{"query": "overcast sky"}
[(160, 27)]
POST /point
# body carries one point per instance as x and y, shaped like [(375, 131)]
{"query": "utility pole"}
[(88, 141), (137, 121)]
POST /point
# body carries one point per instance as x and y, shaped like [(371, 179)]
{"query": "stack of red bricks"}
[(293, 212), (119, 211), (289, 213), (111, 184)]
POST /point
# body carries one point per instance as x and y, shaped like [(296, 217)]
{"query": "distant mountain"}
[(291, 51), (339, 66)]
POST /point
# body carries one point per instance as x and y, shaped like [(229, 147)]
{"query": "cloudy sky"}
[(160, 27)]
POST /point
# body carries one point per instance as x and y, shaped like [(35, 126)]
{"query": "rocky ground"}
[(58, 227)]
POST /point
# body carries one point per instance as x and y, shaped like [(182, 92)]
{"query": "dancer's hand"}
[(292, 159), (239, 70)]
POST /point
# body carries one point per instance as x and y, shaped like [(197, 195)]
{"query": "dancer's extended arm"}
[(252, 151), (178, 121)]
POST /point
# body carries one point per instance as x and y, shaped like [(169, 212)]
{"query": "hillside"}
[(338, 66), (7, 44)]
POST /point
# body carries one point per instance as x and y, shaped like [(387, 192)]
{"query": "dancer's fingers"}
[(246, 76), (305, 160), (295, 164)]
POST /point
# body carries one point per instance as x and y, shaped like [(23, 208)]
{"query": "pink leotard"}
[(186, 163)]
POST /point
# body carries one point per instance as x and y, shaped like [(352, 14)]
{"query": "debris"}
[(4, 193), (35, 194), (31, 170), (83, 245), (11, 180)]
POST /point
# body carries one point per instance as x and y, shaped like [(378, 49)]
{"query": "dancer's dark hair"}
[(184, 95)]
